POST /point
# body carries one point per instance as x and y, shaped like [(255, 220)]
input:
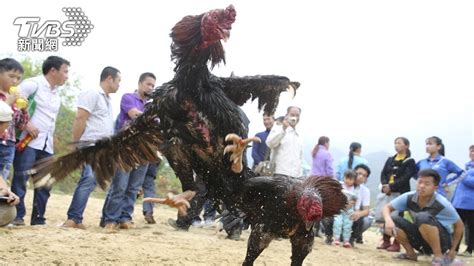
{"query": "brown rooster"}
[(283, 207)]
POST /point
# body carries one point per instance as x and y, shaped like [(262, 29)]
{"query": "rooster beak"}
[(225, 34), (308, 225)]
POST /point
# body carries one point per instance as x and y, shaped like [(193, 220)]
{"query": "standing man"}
[(94, 121), (118, 206), (260, 149), (287, 145), (40, 129)]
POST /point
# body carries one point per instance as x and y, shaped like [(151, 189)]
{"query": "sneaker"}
[(347, 244), (149, 219), (173, 224), (72, 224), (336, 243), (18, 222), (197, 224), (465, 254), (111, 228), (127, 225), (359, 240)]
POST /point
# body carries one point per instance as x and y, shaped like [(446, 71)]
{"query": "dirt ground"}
[(159, 244)]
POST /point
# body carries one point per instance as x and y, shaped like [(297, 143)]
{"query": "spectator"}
[(360, 217), (94, 121), (395, 180), (342, 221), (439, 163), (259, 150), (11, 72), (462, 201), (433, 215), (350, 162), (287, 145), (322, 159), (38, 134), (119, 203)]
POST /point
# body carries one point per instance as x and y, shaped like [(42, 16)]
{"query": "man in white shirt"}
[(360, 217), (287, 145), (40, 129), (94, 121)]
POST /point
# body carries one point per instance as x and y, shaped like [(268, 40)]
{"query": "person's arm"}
[(384, 178), (453, 169), (79, 124), (27, 88), (387, 216), (134, 113), (256, 157), (469, 179), (328, 163), (360, 213), (457, 235), (276, 135), (404, 178)]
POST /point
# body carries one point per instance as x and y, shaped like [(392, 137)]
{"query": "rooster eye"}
[(214, 17)]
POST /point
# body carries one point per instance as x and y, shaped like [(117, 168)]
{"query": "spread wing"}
[(133, 146), (266, 88)]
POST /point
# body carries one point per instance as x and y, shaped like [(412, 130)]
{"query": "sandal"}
[(404, 256)]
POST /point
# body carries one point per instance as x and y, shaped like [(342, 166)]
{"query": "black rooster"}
[(188, 118)]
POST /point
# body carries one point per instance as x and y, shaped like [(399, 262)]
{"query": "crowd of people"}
[(426, 219)]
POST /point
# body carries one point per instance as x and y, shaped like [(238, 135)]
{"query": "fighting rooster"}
[(283, 206), (188, 118)]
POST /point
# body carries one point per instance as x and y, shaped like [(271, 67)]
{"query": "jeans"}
[(7, 153), (24, 161), (84, 188), (120, 200), (149, 188)]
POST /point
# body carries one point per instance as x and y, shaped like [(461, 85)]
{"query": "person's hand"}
[(446, 188), (386, 189), (11, 98), (356, 216), (389, 228), (13, 199), (32, 130)]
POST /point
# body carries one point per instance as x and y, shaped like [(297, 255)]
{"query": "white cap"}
[(6, 112)]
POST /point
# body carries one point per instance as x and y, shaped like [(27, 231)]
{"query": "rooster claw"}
[(180, 201), (237, 149)]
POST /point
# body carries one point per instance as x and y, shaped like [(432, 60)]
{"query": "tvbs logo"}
[(35, 35)]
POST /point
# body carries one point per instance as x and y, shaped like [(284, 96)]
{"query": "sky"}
[(370, 71)]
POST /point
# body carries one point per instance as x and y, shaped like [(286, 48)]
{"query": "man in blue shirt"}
[(260, 149), (432, 214)]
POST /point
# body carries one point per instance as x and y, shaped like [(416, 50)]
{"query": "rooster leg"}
[(258, 241), (180, 201), (301, 246), (237, 149)]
